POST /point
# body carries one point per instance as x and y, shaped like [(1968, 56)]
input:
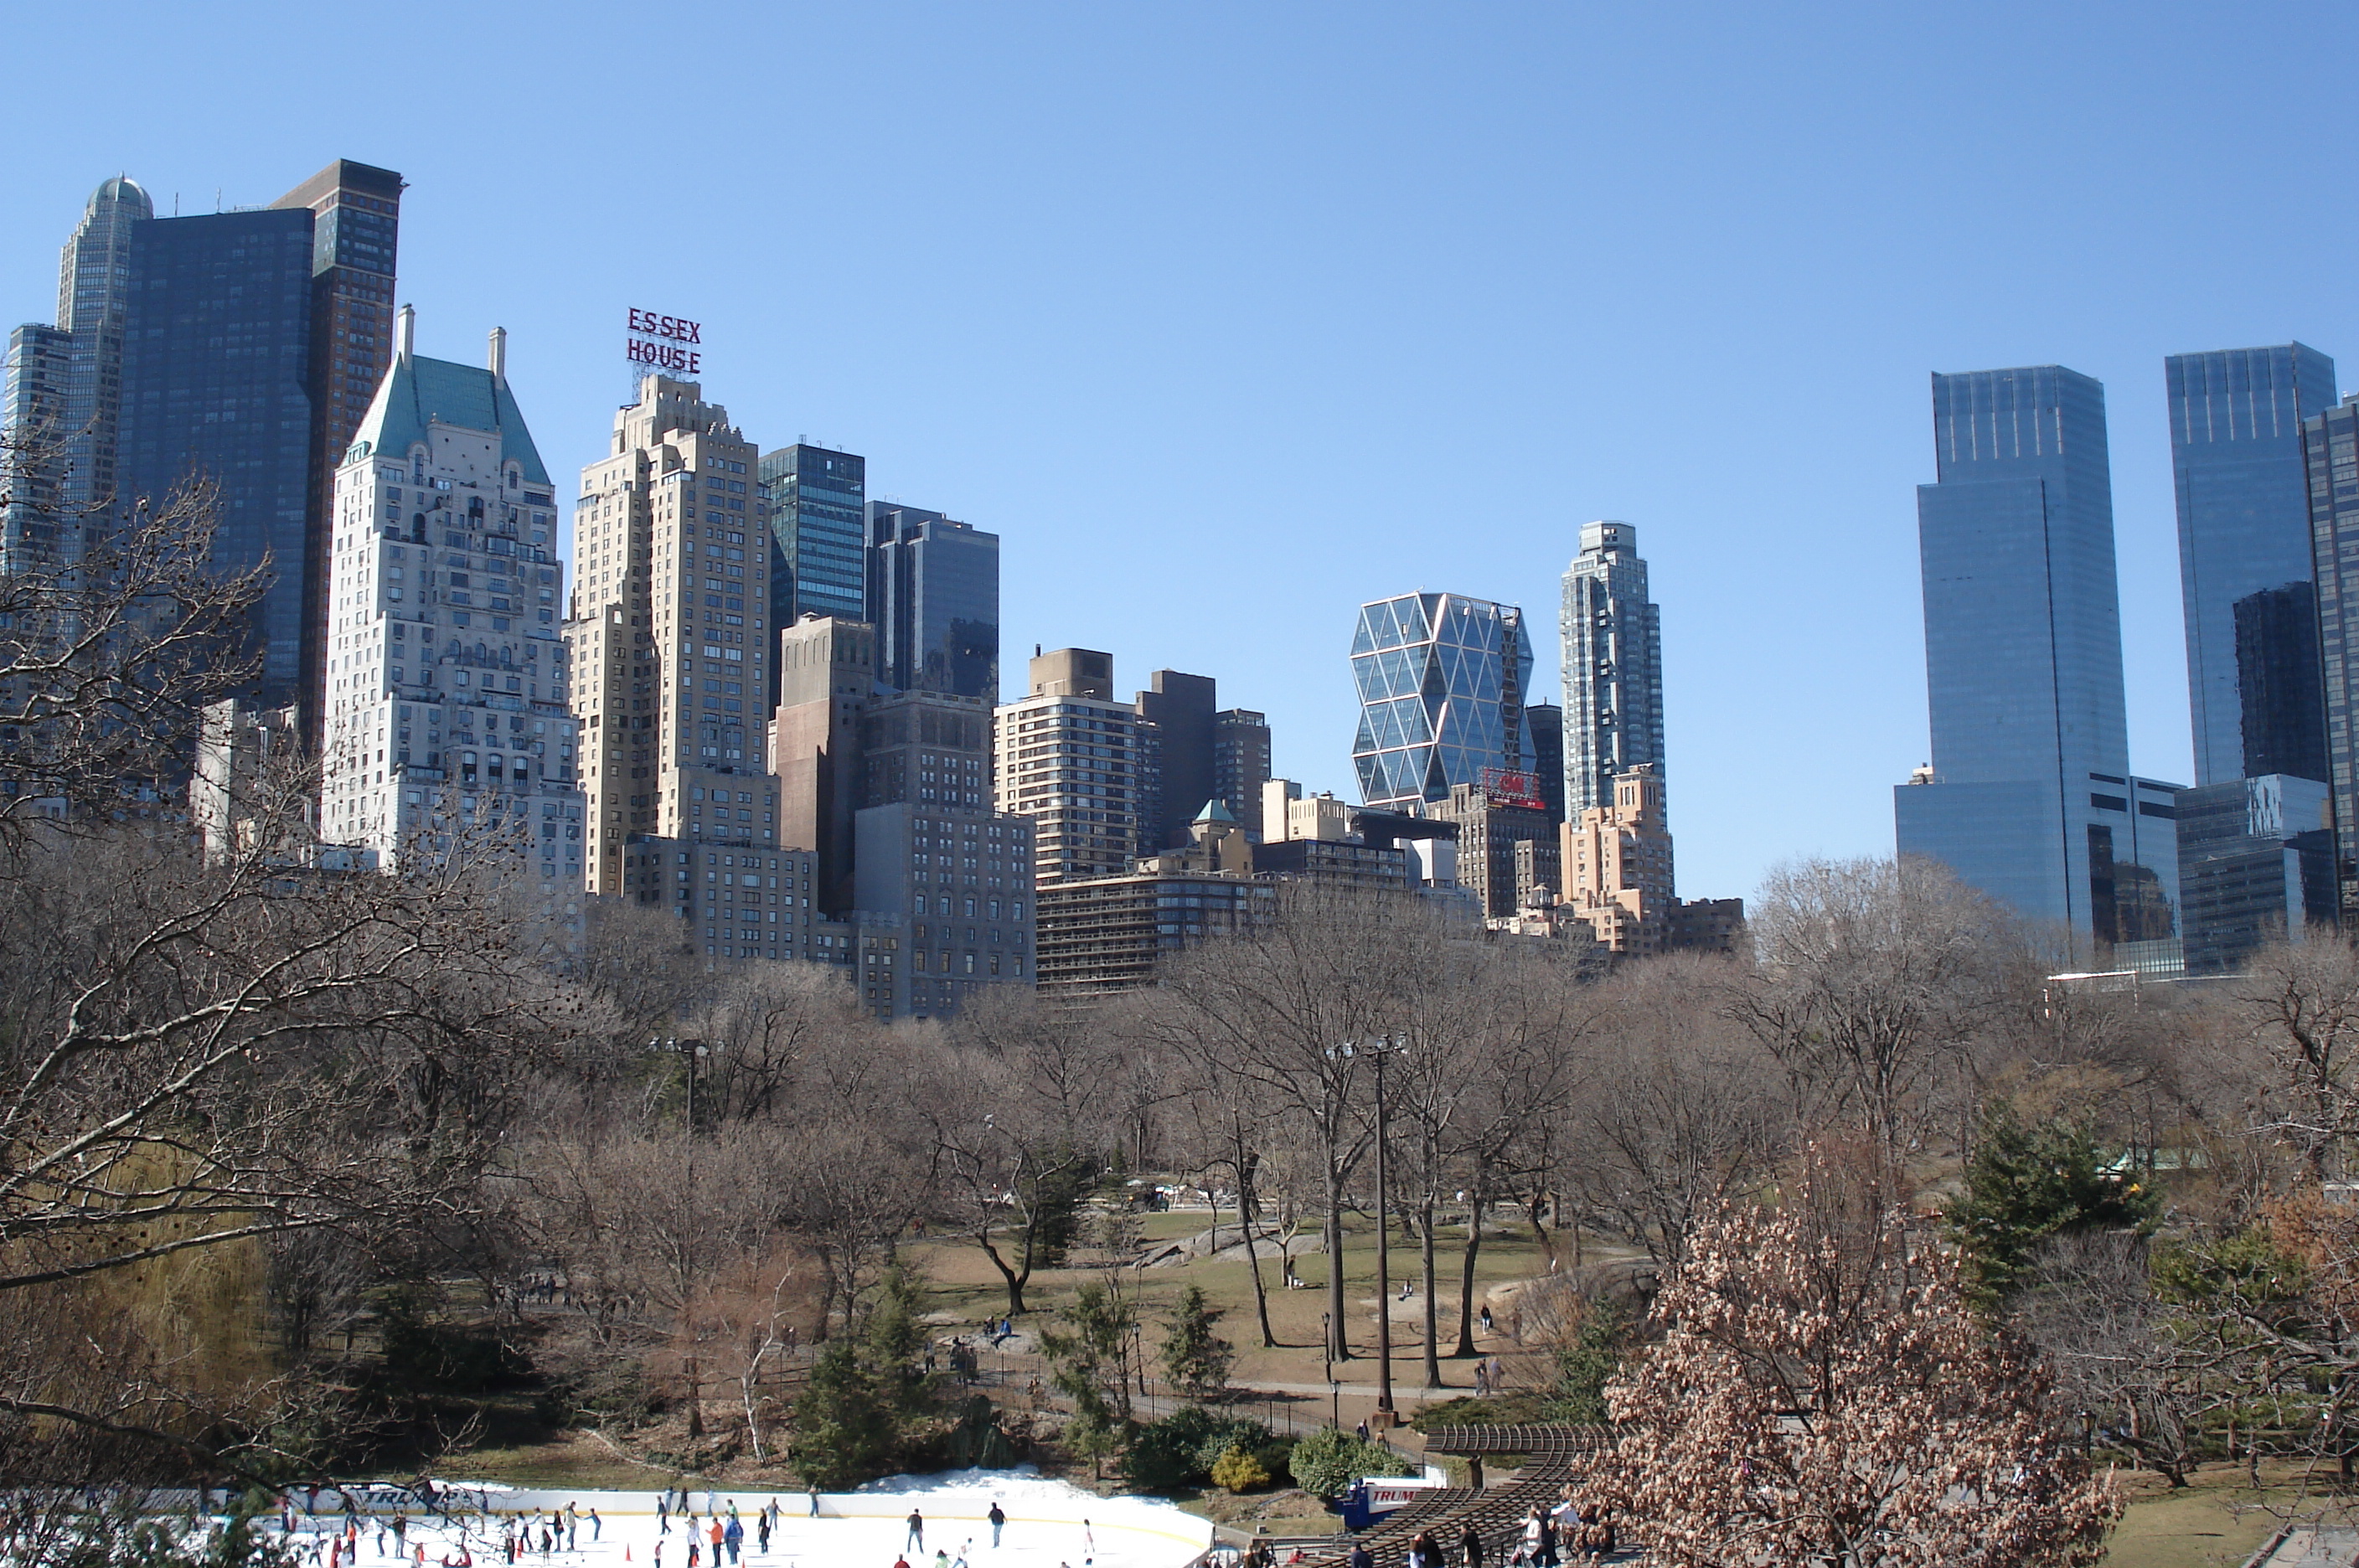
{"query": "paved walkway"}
[(2309, 1546)]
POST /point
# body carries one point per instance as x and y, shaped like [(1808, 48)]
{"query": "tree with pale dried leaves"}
[(1822, 1394)]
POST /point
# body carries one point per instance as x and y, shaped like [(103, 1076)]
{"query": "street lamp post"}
[(1380, 1048)]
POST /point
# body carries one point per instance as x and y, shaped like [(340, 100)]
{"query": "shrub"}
[(1239, 1471), (1180, 1450), (1329, 1460)]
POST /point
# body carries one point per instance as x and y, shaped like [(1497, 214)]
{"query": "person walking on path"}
[(998, 1518), (917, 1531), (1470, 1547)]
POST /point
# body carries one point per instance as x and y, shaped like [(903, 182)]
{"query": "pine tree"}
[(1194, 1357), (845, 1427), (2026, 1184)]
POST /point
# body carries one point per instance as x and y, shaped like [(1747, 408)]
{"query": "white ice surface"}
[(1043, 1527)]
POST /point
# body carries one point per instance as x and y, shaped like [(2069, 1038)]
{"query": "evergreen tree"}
[(1584, 1367), (1089, 1362), (846, 1425), (1194, 1357), (2026, 1184), (897, 1339)]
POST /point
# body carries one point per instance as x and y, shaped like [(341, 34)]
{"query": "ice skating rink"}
[(1046, 1527)]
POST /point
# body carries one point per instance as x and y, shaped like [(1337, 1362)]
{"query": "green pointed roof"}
[(1214, 812), (417, 389)]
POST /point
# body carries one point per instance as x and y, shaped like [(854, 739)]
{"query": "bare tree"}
[(109, 651), (2119, 1354), (196, 1056), (1686, 1111), (1270, 1010), (1874, 978), (1028, 1108), (2297, 1010)]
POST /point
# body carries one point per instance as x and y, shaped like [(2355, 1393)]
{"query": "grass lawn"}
[(964, 1284), (2216, 1521), (572, 1459)]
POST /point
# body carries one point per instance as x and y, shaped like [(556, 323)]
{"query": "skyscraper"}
[(355, 229), (933, 597), (2028, 795), (2244, 530), (1613, 652), (817, 504), (2330, 452), (446, 705), (1546, 723), (670, 650), (1176, 767), (1241, 763), (216, 376), (1441, 680), (191, 348), (1068, 757)]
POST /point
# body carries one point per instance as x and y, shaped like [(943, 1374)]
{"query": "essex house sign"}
[(667, 344)]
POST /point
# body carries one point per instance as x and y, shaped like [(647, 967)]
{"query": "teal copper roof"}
[(417, 389)]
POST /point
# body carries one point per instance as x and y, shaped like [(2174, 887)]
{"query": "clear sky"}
[(1229, 317)]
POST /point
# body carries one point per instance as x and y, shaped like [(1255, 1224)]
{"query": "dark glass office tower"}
[(2280, 689), (356, 230), (2243, 529), (817, 499), (2330, 453), (216, 379), (2028, 796), (1546, 721), (933, 597)]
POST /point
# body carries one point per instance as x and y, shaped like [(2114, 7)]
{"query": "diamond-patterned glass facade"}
[(1441, 679)]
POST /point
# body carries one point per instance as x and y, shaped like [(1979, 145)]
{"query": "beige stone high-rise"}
[(1617, 866), (670, 634)]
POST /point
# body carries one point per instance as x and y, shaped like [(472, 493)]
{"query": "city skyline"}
[(1008, 376)]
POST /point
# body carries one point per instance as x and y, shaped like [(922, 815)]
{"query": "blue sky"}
[(1228, 318)]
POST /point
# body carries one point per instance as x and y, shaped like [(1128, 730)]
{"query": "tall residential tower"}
[(1613, 652), (670, 634)]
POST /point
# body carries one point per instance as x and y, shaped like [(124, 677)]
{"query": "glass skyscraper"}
[(1441, 679), (2028, 796), (216, 362), (64, 387), (933, 597), (1612, 649), (2330, 453), (818, 500), (2244, 551)]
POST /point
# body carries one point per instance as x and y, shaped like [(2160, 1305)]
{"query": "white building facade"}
[(446, 697)]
